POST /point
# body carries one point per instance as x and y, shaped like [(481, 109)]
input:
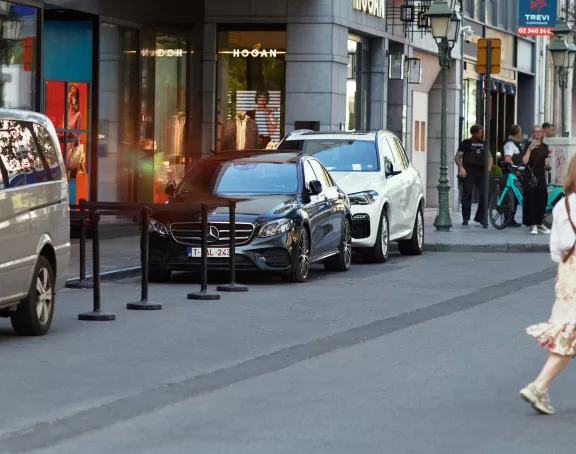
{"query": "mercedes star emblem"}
[(213, 234)]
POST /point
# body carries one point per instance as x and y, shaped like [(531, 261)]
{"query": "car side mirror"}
[(390, 172), (170, 188), (315, 187)]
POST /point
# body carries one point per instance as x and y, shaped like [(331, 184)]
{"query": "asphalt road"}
[(422, 354)]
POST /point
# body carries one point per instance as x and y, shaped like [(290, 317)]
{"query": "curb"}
[(114, 275), (488, 248)]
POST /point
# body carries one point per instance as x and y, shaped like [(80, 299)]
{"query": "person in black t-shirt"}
[(470, 162)]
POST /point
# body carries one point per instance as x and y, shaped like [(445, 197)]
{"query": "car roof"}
[(25, 115), (337, 135), (264, 156)]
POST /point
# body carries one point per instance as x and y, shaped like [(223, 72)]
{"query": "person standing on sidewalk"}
[(536, 158), (549, 130), (513, 156), (558, 335), (470, 162)]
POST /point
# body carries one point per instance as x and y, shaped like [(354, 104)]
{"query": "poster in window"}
[(264, 107)]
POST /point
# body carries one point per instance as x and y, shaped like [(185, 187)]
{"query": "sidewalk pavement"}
[(120, 257), (474, 238)]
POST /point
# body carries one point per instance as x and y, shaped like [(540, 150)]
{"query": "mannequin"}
[(240, 133)]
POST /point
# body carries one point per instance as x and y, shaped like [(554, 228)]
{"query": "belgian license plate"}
[(213, 252)]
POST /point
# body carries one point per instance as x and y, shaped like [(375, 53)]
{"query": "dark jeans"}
[(473, 178)]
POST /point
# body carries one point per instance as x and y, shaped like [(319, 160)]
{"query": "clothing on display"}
[(240, 133)]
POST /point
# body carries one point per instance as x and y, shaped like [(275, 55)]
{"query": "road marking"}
[(46, 434)]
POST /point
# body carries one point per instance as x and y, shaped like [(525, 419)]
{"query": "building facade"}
[(143, 91)]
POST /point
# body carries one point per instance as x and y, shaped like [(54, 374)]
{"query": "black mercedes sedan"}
[(290, 214)]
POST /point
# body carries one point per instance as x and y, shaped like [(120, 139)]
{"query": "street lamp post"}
[(445, 26), (563, 55)]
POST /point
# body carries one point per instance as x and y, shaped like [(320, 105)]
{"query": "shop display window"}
[(169, 113), (18, 57), (251, 89), (68, 108)]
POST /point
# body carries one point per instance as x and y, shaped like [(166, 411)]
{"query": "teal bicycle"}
[(505, 202)]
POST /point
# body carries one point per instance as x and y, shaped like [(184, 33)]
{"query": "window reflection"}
[(17, 56)]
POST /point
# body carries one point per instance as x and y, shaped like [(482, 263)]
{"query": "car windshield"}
[(343, 155), (241, 177)]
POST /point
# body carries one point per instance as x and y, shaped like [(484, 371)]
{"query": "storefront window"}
[(118, 110), (251, 78), (169, 112), (17, 56), (470, 113)]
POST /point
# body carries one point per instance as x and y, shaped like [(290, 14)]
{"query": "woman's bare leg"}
[(552, 368)]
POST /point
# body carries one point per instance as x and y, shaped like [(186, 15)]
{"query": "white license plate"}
[(213, 252)]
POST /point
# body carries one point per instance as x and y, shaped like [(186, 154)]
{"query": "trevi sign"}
[(372, 7)]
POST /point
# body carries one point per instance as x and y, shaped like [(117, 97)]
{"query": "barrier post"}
[(204, 294), (96, 315), (144, 304), (82, 283), (232, 286)]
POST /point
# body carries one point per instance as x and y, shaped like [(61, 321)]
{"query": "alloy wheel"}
[(347, 239), (44, 296), (384, 237), (420, 230), (303, 254)]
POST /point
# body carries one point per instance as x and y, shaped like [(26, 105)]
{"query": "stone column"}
[(379, 85), (209, 59), (434, 115), (316, 63)]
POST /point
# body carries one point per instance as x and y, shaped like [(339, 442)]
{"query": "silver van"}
[(34, 221)]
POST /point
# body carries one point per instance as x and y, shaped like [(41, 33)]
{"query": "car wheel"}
[(342, 261), (158, 275), (379, 252), (33, 316), (302, 269), (415, 245)]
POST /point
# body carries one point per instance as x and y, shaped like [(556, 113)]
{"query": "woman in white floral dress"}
[(558, 335)]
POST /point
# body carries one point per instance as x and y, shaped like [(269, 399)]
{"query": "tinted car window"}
[(399, 155), (48, 150), (342, 155), (21, 162), (321, 174), (241, 177), (386, 151), (309, 174)]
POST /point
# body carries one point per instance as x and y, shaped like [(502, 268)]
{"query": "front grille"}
[(190, 233)]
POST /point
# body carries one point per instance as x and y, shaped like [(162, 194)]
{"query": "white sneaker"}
[(539, 399), (544, 229), (534, 231)]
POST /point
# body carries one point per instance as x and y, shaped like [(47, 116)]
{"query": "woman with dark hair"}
[(75, 152), (536, 158)]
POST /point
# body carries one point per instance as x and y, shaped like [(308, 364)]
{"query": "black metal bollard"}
[(82, 283), (96, 315), (204, 294), (232, 286), (144, 304)]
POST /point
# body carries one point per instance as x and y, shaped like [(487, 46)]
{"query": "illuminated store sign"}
[(372, 7), (163, 52)]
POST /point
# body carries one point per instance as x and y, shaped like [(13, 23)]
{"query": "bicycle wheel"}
[(501, 213)]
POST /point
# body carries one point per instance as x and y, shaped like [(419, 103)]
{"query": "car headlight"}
[(274, 228), (363, 198), (155, 226)]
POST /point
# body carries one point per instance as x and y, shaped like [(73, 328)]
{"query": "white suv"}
[(34, 221), (385, 191)]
